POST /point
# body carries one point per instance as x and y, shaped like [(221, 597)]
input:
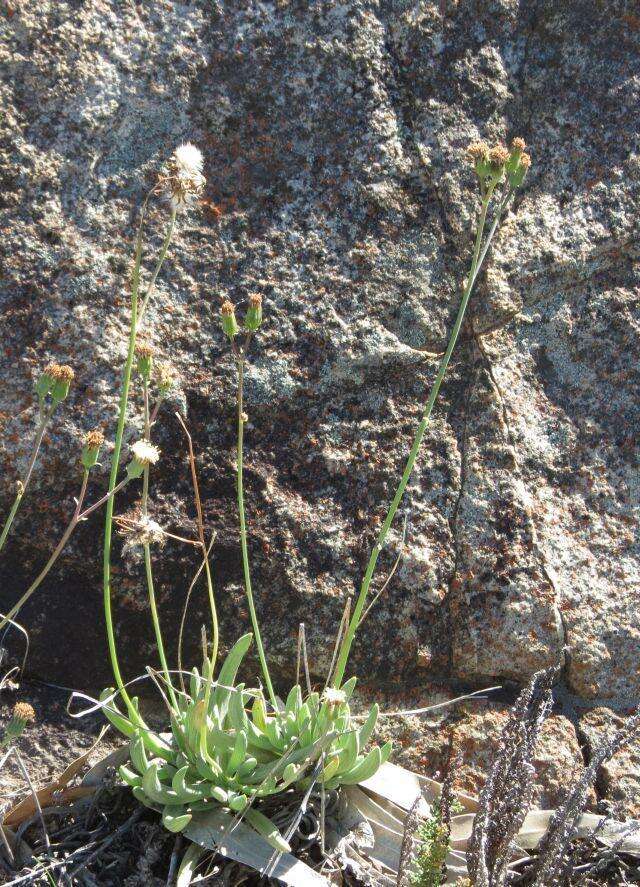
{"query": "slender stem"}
[(115, 465), (148, 568), (54, 556), (243, 532), (203, 545), (422, 427), (483, 252), (12, 514), (85, 514), (159, 263), (24, 482), (78, 516)]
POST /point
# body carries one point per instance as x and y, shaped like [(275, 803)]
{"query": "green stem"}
[(483, 252), (115, 465), (243, 534), (12, 514), (24, 482), (422, 427), (147, 560), (159, 263)]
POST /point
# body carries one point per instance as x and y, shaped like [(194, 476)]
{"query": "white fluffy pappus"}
[(188, 159), (145, 453)]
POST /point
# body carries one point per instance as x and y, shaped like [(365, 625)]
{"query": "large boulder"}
[(334, 136)]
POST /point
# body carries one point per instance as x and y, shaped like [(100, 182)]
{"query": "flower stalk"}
[(148, 567), (490, 166), (134, 321), (78, 517), (46, 415), (240, 357)]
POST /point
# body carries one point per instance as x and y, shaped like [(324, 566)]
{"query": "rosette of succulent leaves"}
[(226, 748)]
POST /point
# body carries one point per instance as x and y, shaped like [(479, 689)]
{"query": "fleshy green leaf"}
[(174, 819), (369, 725), (364, 769), (228, 673), (263, 825), (189, 864)]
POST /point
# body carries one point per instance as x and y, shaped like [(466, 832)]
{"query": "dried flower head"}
[(477, 151), (498, 155), (166, 378), (184, 181), (60, 372), (228, 319), (23, 711), (93, 440), (253, 317), (525, 160), (140, 530), (518, 144), (55, 380), (144, 349), (144, 352), (334, 697), (145, 453)]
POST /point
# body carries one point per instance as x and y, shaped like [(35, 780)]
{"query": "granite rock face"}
[(334, 136)]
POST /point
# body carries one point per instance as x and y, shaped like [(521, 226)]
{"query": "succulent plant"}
[(227, 748)]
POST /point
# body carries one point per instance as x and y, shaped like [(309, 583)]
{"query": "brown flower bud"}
[(59, 378), (145, 353), (498, 156), (93, 440), (477, 151), (228, 318), (253, 317), (23, 711)]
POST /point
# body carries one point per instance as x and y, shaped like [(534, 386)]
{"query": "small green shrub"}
[(433, 844)]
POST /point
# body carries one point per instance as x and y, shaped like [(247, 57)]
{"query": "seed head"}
[(188, 159), (23, 711), (140, 530), (518, 144), (145, 452), (525, 160), (184, 181)]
